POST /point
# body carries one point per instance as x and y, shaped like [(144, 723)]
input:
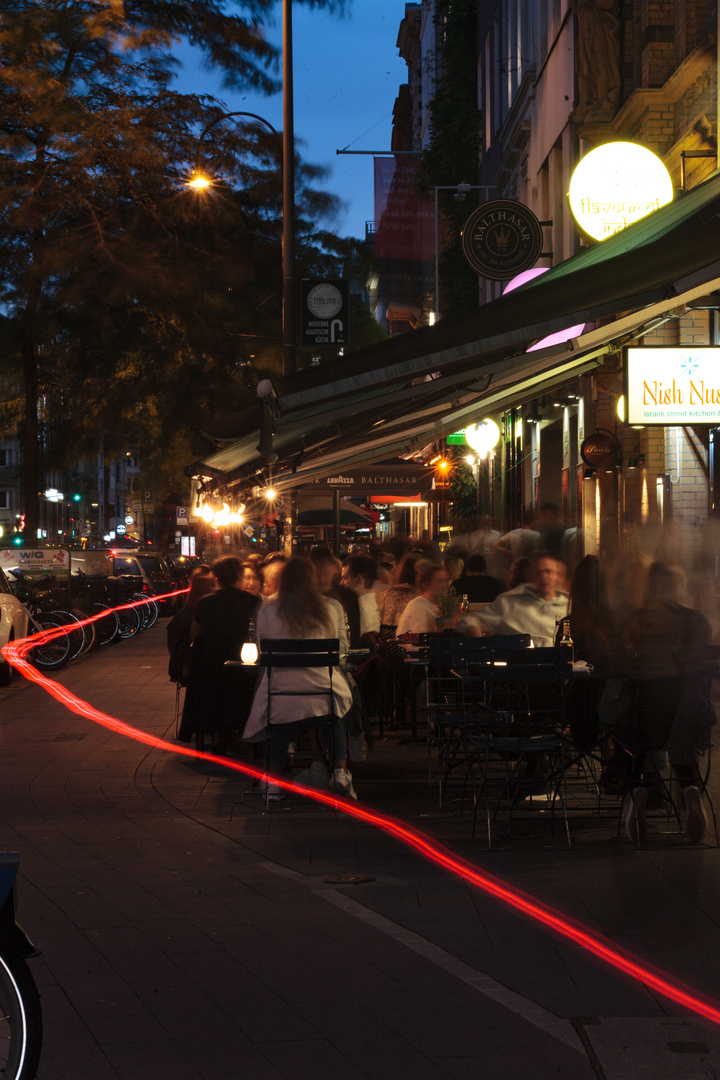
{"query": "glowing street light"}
[(199, 182)]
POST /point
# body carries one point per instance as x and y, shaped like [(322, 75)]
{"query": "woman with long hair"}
[(301, 612), (397, 597)]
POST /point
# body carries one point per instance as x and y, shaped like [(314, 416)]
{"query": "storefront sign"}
[(325, 313), (600, 450), (377, 479), (672, 385), (501, 238), (616, 184)]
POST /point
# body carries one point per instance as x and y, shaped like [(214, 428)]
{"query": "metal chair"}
[(519, 755), (284, 655), (456, 699)]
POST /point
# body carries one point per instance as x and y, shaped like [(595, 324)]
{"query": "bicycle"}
[(20, 1012), (61, 648)]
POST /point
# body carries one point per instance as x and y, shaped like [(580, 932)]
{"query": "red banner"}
[(405, 219)]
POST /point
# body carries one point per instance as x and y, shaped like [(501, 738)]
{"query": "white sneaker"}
[(316, 777), (342, 784)]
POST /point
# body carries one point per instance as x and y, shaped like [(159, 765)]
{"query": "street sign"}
[(325, 310), (181, 514), (148, 496), (128, 519), (120, 530)]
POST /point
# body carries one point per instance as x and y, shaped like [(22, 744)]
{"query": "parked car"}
[(184, 565), (13, 624), (150, 573)]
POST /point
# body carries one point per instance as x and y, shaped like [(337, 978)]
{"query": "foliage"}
[(464, 492), (453, 154), (448, 604), (135, 308)]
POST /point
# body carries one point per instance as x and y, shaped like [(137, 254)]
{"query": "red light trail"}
[(601, 947)]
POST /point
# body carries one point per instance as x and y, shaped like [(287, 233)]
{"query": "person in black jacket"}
[(476, 583), (217, 698)]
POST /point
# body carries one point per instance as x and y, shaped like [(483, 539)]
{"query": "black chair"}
[(456, 698), (519, 754), (279, 655)]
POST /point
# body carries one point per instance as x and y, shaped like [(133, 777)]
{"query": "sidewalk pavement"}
[(188, 933)]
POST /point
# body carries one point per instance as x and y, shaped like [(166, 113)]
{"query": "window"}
[(4, 500), (4, 459)]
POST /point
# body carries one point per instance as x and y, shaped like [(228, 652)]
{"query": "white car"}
[(13, 624)]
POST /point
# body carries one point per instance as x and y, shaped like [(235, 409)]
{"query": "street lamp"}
[(200, 182)]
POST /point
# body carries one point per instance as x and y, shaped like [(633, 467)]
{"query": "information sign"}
[(325, 312)]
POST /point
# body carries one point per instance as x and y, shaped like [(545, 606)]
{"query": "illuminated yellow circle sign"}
[(616, 184)]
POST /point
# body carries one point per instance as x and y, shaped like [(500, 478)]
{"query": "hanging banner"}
[(405, 220)]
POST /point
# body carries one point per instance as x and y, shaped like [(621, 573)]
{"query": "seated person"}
[(476, 583), (403, 589), (328, 569), (359, 573), (301, 612), (420, 614), (531, 608), (217, 698)]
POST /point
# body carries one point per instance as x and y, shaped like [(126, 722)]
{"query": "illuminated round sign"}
[(616, 184), (483, 436)]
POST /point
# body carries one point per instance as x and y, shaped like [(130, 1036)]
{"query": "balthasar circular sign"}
[(501, 238), (600, 450)]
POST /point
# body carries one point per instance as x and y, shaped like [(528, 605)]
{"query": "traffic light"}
[(77, 497)]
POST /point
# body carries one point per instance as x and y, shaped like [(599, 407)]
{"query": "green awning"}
[(396, 397)]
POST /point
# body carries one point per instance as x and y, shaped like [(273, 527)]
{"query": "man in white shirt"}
[(532, 608), (359, 573)]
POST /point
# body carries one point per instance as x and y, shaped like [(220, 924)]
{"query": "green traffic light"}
[(76, 497)]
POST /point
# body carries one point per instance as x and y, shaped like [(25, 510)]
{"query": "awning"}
[(396, 397)]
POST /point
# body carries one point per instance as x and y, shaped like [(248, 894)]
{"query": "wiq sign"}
[(672, 385)]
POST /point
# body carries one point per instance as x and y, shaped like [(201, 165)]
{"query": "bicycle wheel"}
[(50, 654), (75, 632), (87, 631), (152, 617), (130, 622), (107, 628), (20, 1020), (148, 611)]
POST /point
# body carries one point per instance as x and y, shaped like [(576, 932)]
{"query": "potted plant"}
[(448, 607)]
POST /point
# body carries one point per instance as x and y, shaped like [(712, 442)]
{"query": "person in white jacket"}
[(532, 608)]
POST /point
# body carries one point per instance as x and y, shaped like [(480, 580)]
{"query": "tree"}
[(453, 154), (104, 260)]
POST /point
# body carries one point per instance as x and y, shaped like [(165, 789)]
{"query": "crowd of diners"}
[(632, 627)]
